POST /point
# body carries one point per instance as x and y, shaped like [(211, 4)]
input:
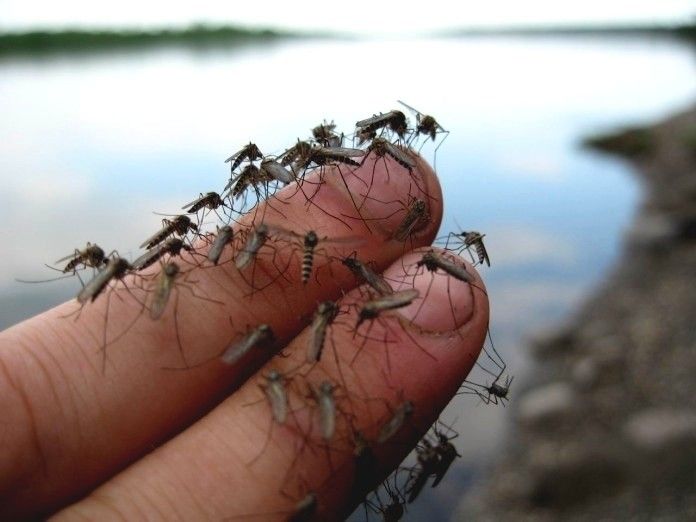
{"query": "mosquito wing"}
[(149, 257), (394, 300), (453, 269), (276, 171), (197, 201), (224, 236), (260, 335), (277, 398), (165, 282), (343, 152), (379, 120), (97, 284), (399, 155), (157, 237)]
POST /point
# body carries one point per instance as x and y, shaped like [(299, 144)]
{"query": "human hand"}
[(136, 441)]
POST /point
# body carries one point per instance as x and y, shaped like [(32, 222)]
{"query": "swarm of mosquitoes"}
[(254, 179)]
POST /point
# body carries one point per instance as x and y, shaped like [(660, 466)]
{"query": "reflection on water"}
[(90, 146)]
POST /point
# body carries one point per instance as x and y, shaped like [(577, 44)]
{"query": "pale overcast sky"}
[(361, 16)]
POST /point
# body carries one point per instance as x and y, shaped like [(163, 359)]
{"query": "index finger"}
[(66, 418)]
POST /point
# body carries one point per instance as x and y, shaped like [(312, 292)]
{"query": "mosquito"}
[(416, 218), (250, 176), (428, 459), (394, 120), (309, 242), (261, 336), (395, 422), (382, 147), (260, 179), (224, 237), (164, 285), (446, 452), (426, 125), (433, 261), (257, 237), (325, 315), (496, 393), (324, 134), (179, 225), (395, 509), (467, 240), (373, 308), (116, 268), (274, 390), (210, 200), (274, 170), (172, 246), (91, 256), (324, 395), (250, 152), (364, 273), (163, 289)]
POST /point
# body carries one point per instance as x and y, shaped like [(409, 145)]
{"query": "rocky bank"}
[(606, 429)]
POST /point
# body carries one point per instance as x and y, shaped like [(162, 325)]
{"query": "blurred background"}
[(113, 111)]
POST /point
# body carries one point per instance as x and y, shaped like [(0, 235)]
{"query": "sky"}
[(354, 16)]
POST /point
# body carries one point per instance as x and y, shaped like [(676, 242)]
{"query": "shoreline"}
[(42, 41), (606, 425)]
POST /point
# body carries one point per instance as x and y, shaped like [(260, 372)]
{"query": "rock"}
[(585, 373), (547, 404), (565, 477), (650, 230), (656, 430), (664, 441), (552, 342)]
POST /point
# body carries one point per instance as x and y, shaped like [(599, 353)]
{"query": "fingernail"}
[(445, 303)]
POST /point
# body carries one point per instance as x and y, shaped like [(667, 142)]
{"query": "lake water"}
[(93, 143)]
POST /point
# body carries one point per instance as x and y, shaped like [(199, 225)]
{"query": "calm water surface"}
[(91, 145)]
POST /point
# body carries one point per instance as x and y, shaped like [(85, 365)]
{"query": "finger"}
[(205, 472), (66, 417)]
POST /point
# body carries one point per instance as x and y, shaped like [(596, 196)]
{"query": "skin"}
[(89, 436)]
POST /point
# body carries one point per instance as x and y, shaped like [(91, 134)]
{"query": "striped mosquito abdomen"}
[(250, 152), (475, 239), (481, 252), (310, 243), (92, 255)]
